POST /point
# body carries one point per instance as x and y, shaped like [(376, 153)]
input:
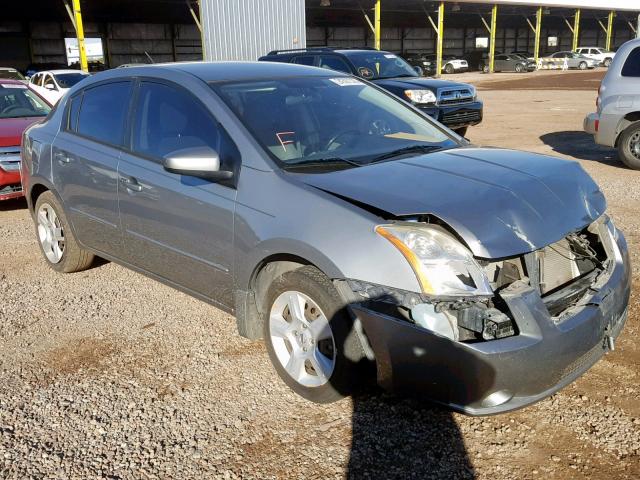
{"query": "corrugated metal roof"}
[(248, 29)]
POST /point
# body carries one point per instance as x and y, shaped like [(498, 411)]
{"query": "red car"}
[(19, 107)]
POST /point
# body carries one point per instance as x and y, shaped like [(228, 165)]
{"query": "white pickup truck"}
[(616, 123)]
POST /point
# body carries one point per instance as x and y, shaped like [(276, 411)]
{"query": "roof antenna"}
[(149, 57)]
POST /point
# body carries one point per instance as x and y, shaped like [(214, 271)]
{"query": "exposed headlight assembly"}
[(443, 266), (420, 96)]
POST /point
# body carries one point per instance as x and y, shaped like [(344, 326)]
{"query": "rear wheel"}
[(448, 68), (629, 146), (582, 66), (309, 336), (57, 242)]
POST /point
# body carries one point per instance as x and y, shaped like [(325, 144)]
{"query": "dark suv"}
[(451, 103)]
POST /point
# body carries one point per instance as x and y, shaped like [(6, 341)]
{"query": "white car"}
[(53, 84), (605, 57), (616, 123)]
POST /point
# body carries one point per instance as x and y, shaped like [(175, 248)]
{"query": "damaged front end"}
[(496, 335)]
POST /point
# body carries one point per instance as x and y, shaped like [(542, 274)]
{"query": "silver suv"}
[(616, 123)]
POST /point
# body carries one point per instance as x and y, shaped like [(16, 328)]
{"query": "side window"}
[(334, 63), (74, 108), (305, 60), (631, 66), (48, 81), (103, 112), (168, 119), (36, 79)]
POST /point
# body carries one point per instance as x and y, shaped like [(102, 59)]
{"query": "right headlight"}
[(443, 266), (420, 96)]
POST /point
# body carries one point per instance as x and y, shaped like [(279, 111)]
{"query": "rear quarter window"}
[(631, 67), (103, 112)]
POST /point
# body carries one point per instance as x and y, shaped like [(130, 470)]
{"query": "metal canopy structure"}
[(569, 15)]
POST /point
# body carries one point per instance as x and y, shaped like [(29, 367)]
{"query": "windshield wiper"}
[(322, 162), (406, 150)]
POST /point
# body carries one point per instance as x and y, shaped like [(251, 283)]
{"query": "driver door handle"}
[(62, 158), (131, 183)]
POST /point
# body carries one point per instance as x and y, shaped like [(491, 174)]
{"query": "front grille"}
[(10, 159), (10, 189), (455, 96), (460, 118)]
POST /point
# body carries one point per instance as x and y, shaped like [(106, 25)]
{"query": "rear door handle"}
[(62, 158), (131, 183)]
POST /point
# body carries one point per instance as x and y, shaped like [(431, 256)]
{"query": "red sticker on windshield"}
[(283, 141)]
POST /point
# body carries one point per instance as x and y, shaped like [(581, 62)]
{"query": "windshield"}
[(19, 101), (68, 80), (375, 65), (341, 120), (11, 74)]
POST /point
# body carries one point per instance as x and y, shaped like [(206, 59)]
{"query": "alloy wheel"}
[(50, 233), (302, 339), (634, 144)]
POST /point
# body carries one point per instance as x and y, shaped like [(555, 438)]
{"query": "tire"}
[(629, 146), (339, 354), (582, 65), (461, 131), (55, 237), (519, 68), (607, 62), (448, 68)]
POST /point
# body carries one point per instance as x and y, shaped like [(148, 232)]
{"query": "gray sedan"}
[(339, 223), (571, 60)]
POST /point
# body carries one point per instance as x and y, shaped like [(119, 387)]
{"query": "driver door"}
[(177, 227)]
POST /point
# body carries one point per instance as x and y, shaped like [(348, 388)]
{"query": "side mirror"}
[(419, 70), (202, 162), (50, 86)]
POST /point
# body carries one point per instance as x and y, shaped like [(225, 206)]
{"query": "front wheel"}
[(309, 336), (582, 66), (607, 62), (519, 68), (57, 242), (629, 146)]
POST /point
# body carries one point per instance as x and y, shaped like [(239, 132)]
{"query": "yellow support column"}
[(492, 45), (77, 15), (536, 47), (609, 29), (439, 39), (376, 24), (576, 30)]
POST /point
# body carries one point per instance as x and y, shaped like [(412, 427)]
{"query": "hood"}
[(11, 129), (501, 202), (418, 82)]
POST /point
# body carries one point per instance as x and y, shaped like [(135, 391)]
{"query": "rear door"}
[(177, 227), (85, 161)]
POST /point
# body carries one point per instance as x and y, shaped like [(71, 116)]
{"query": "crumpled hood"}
[(501, 202)]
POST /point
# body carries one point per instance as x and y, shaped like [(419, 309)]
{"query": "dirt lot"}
[(107, 374)]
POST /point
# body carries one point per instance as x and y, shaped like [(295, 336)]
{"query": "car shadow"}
[(13, 204), (580, 145), (395, 437), (402, 435)]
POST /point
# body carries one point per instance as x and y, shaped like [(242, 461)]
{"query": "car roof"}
[(10, 69), (220, 71), (62, 71)]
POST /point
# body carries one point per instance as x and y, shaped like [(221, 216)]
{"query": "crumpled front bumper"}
[(497, 376)]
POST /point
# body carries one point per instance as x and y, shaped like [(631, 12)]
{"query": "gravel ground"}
[(108, 374)]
